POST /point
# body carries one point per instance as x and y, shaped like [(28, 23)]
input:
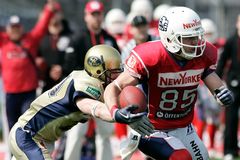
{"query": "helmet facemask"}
[(181, 32), (195, 46), (108, 75)]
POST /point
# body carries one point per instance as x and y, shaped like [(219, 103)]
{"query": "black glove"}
[(143, 126), (126, 115), (224, 96)]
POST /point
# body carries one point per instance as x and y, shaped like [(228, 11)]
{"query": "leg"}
[(200, 119), (231, 127), (23, 147), (191, 141), (120, 130), (104, 131), (164, 147), (211, 129), (74, 141), (13, 109), (27, 99)]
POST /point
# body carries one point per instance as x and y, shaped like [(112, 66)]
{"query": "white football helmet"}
[(160, 10), (143, 8), (178, 24), (115, 21), (210, 29)]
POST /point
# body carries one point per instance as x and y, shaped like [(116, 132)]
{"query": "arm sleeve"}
[(140, 63), (87, 88), (41, 26), (210, 58), (135, 66), (78, 94)]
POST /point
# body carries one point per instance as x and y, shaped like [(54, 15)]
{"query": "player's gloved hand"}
[(142, 126), (126, 115), (224, 96)]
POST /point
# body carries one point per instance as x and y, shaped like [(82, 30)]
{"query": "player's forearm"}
[(102, 112), (95, 108), (111, 95), (213, 82)]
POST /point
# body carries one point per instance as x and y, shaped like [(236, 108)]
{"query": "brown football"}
[(133, 95)]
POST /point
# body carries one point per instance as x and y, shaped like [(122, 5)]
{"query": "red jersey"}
[(18, 71), (172, 88)]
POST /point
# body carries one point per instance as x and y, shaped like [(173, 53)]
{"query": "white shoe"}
[(212, 153), (228, 157), (215, 154)]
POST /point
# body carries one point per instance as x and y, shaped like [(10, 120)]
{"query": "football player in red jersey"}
[(172, 69)]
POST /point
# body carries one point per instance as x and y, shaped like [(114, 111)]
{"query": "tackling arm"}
[(95, 108)]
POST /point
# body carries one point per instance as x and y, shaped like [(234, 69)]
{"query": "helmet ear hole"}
[(168, 40), (98, 71)]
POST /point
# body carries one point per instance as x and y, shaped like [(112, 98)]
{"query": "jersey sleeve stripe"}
[(135, 53)]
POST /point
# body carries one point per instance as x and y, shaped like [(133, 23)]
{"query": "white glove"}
[(129, 145), (143, 126)]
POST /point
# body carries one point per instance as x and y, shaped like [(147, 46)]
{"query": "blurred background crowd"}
[(56, 45)]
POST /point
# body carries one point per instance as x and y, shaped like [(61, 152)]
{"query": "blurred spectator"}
[(139, 30), (92, 35), (159, 11), (208, 110), (53, 49), (231, 52), (211, 34), (142, 8), (19, 64), (115, 22)]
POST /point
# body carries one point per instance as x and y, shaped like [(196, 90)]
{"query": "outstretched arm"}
[(95, 108), (221, 92), (99, 110), (41, 27)]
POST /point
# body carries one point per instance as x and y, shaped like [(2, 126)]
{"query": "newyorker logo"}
[(195, 23), (180, 79)]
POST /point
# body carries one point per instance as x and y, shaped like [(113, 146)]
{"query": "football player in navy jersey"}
[(172, 69), (73, 100)]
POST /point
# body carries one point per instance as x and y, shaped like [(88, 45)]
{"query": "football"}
[(133, 95)]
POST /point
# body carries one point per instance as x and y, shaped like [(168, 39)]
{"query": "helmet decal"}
[(94, 61), (163, 24)]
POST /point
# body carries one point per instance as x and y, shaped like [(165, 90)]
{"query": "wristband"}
[(113, 110), (93, 109)]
